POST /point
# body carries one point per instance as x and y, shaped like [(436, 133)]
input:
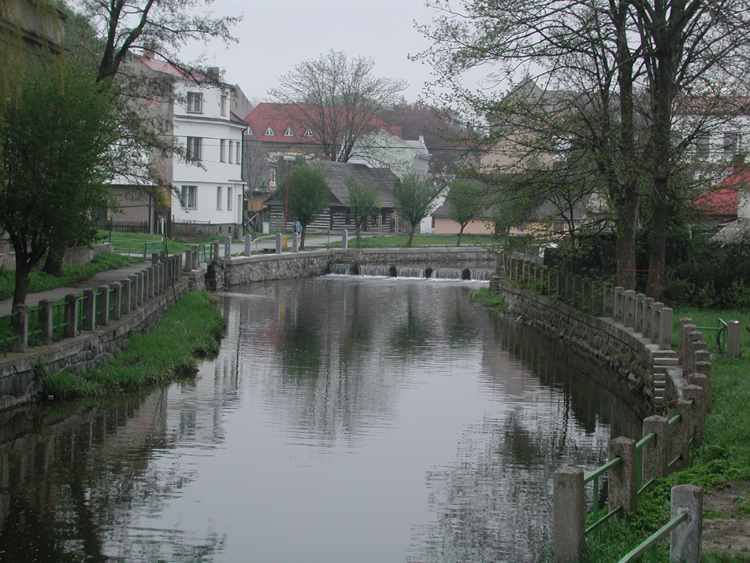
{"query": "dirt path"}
[(726, 520)]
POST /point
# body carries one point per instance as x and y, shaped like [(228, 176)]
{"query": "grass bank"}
[(489, 300), (39, 281), (190, 330)]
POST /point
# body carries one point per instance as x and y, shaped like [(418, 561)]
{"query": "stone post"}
[(569, 287), (295, 242), (608, 310), (127, 298), (733, 339), (214, 252), (44, 320), (150, 277), (197, 254), (344, 239), (71, 315), (154, 258), (278, 243), (648, 316), (680, 434), (597, 301), (623, 490), (248, 245), (140, 294), (656, 321), (640, 311), (689, 359), (686, 327), (568, 514), (619, 305), (685, 540), (549, 282), (20, 327), (703, 367), (117, 300), (655, 454), (666, 314), (628, 315), (102, 305), (698, 396), (89, 309), (227, 248), (188, 260)]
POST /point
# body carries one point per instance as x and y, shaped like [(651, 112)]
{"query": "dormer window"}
[(194, 104), (308, 133), (269, 132), (289, 132)]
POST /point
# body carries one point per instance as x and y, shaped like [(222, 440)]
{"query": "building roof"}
[(718, 201)]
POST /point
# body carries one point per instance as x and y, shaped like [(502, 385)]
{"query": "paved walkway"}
[(102, 278)]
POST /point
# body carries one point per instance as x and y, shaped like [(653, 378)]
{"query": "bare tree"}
[(336, 99), (414, 198)]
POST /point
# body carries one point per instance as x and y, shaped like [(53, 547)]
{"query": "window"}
[(194, 145), (702, 146), (223, 104), (222, 147), (269, 132), (218, 198), (238, 147), (187, 197), (289, 132), (229, 199), (731, 143), (194, 102), (230, 151)]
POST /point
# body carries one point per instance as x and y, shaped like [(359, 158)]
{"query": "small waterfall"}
[(340, 269), (409, 272), (382, 271), (480, 275), (446, 274)]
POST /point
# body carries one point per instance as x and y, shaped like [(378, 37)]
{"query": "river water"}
[(345, 420)]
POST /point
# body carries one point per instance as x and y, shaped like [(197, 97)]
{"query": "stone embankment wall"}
[(225, 273)]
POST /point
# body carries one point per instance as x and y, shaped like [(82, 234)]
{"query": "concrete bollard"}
[(197, 255), (705, 368), (116, 300), (686, 326), (618, 304), (695, 344), (20, 323), (44, 321), (568, 514), (698, 396), (704, 382), (127, 298), (733, 339), (680, 433), (685, 540), (655, 454), (89, 309), (623, 489), (629, 308), (608, 300), (596, 298), (344, 239), (640, 301), (214, 252), (666, 315), (71, 315), (278, 243), (295, 242), (140, 282), (188, 260), (648, 316), (154, 258), (248, 245), (102, 305), (227, 248)]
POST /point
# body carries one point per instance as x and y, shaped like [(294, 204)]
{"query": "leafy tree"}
[(414, 198), (56, 136), (362, 202), (308, 194), (465, 201), (337, 99)]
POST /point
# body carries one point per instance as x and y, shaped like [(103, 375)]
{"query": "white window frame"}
[(194, 148), (194, 102), (219, 196), (189, 197), (229, 199), (307, 133), (269, 132), (288, 132)]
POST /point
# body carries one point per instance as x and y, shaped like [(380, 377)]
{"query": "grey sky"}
[(275, 35)]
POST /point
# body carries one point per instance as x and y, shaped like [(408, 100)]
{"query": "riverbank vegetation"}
[(489, 300), (190, 330)]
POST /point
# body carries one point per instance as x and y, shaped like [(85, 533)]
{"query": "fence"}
[(665, 446), (130, 247), (51, 321)]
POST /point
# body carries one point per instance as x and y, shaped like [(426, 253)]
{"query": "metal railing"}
[(593, 476), (721, 334), (131, 247), (653, 539)]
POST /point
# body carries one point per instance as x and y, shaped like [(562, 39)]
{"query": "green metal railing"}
[(721, 334), (653, 539), (137, 248), (648, 438), (593, 476)]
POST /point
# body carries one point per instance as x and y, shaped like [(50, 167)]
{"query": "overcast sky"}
[(276, 35)]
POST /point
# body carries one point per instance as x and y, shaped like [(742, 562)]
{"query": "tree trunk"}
[(461, 232), (302, 238), (411, 234), (658, 238), (358, 231), (627, 219), (23, 269)]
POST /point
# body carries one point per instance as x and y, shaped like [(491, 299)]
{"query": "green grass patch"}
[(190, 330), (136, 242), (39, 281), (487, 299), (399, 241)]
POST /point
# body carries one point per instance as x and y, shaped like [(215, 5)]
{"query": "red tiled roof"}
[(162, 66), (283, 118), (718, 201)]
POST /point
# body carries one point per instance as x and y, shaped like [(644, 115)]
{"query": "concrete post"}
[(295, 242), (44, 320), (648, 316), (214, 252), (608, 304), (733, 339), (248, 245), (154, 258), (278, 243), (117, 300), (20, 327), (89, 309), (188, 260), (704, 367), (686, 326), (569, 287), (685, 540), (656, 321), (640, 311), (623, 490), (597, 301), (694, 343), (585, 295), (568, 514), (703, 382), (618, 304), (178, 260), (698, 396), (227, 248), (150, 286), (71, 315), (654, 455), (665, 328), (126, 285), (629, 308), (680, 433), (196, 255), (344, 239), (140, 293), (102, 305)]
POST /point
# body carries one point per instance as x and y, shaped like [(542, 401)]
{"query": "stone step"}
[(671, 361)]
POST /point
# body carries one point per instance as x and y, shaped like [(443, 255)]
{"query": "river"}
[(345, 420)]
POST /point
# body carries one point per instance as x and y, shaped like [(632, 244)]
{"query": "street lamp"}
[(289, 160)]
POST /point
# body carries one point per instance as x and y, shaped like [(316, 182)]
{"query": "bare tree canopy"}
[(337, 99)]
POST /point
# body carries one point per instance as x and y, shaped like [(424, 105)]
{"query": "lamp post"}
[(289, 160)]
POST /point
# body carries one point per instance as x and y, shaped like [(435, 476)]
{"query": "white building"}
[(385, 150)]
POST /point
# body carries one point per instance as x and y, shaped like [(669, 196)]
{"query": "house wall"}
[(447, 226)]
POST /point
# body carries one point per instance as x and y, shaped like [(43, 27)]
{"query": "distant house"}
[(336, 216), (383, 149), (207, 188), (442, 224)]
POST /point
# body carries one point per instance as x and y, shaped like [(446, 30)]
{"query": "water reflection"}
[(345, 420)]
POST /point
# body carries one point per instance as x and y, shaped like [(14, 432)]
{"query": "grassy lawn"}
[(39, 281), (398, 241), (191, 329)]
